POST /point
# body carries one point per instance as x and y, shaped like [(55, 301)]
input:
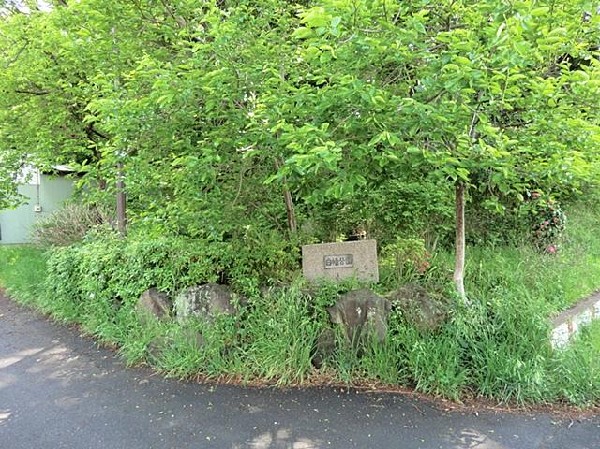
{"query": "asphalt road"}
[(58, 390)]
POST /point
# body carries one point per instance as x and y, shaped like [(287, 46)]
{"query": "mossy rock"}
[(425, 310)]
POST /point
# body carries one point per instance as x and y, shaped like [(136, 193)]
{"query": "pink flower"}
[(551, 249)]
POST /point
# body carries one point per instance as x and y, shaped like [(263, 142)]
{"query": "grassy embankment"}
[(497, 348)]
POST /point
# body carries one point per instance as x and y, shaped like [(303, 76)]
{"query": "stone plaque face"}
[(341, 260), (338, 261)]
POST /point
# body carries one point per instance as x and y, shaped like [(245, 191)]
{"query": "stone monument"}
[(341, 260)]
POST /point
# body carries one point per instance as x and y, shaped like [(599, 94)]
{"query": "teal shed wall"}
[(16, 224)]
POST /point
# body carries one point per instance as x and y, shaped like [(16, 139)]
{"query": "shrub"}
[(69, 224), (549, 222), (260, 257), (403, 260), (99, 281)]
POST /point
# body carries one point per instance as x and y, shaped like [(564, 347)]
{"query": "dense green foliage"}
[(496, 348), (364, 112), (246, 128)]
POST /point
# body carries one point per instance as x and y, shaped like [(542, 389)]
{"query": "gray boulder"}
[(361, 313), (154, 305), (204, 302), (425, 310)]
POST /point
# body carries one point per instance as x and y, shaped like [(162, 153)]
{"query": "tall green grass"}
[(495, 347), (576, 369), (23, 272), (553, 281)]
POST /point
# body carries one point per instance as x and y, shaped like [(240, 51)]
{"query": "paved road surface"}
[(57, 390)]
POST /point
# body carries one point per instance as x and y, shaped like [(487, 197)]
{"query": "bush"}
[(260, 257), (548, 224), (99, 277), (98, 281), (69, 224), (404, 260)]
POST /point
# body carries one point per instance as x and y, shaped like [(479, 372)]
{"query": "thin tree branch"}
[(32, 92), (17, 56)]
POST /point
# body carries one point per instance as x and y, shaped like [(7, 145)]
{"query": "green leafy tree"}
[(472, 93), (226, 119)]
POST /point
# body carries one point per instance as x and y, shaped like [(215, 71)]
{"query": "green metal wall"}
[(16, 224)]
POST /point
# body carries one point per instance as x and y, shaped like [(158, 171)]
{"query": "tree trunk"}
[(289, 202), (121, 202), (291, 214), (459, 267)]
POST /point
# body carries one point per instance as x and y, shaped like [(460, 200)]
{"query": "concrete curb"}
[(568, 323)]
